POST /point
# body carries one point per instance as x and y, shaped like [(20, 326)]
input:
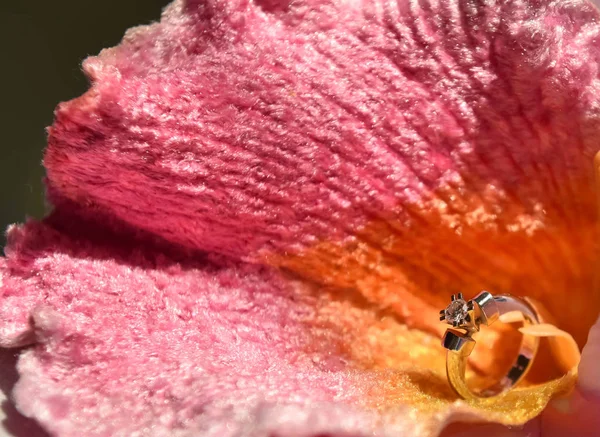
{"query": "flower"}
[(261, 206)]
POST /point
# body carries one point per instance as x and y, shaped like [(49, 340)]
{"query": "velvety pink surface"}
[(130, 341), (236, 126)]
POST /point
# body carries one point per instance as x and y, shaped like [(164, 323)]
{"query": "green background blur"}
[(42, 45)]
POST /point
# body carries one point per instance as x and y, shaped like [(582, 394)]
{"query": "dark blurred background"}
[(42, 45)]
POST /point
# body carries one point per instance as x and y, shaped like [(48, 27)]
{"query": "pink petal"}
[(129, 339), (419, 139), (134, 336), (238, 127)]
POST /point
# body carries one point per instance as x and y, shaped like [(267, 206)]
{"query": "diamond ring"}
[(466, 317)]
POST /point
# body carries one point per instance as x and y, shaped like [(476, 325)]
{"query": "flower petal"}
[(408, 150), (129, 339), (132, 336)]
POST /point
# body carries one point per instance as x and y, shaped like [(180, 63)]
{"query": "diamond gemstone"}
[(457, 311)]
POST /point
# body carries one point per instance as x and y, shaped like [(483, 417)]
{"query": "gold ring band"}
[(466, 318)]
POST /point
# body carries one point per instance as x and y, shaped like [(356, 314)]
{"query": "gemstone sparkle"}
[(457, 311)]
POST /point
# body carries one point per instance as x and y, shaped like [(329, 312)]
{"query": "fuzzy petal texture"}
[(380, 146), (261, 206), (133, 341)]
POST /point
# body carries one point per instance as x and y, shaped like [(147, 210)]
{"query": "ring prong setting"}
[(459, 313)]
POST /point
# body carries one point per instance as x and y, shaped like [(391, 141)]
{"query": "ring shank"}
[(456, 361)]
